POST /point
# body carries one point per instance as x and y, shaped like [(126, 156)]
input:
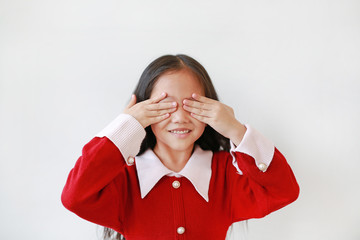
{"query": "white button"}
[(130, 161), (180, 230), (262, 167), (176, 184)]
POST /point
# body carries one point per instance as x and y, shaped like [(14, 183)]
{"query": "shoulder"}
[(221, 154), (221, 159)]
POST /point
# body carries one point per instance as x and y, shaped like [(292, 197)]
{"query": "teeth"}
[(180, 132)]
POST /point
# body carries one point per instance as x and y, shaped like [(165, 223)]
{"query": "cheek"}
[(154, 128), (157, 127), (200, 126), (198, 123)]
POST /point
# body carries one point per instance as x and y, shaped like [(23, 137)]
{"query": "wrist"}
[(238, 133)]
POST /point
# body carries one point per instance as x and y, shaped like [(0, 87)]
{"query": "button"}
[(262, 167), (130, 160), (180, 230), (176, 184)]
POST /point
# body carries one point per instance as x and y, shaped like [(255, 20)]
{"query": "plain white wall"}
[(289, 68)]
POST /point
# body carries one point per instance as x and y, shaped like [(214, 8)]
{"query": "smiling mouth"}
[(180, 131)]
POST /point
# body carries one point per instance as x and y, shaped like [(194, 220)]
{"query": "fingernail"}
[(174, 103), (163, 94)]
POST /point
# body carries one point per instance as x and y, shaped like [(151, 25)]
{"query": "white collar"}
[(197, 170)]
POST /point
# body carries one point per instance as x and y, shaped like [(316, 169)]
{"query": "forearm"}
[(270, 178), (99, 164), (238, 133), (97, 185), (278, 182)]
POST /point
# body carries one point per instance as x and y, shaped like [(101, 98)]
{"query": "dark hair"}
[(210, 139)]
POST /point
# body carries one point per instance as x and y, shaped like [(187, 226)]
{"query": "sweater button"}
[(180, 230), (130, 161), (176, 184), (262, 167)]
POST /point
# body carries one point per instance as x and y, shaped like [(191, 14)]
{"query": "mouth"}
[(180, 131)]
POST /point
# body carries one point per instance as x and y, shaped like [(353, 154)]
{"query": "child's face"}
[(180, 130)]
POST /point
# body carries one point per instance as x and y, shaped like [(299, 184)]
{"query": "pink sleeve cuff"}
[(126, 133), (255, 145)]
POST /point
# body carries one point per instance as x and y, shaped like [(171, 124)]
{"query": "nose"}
[(180, 115)]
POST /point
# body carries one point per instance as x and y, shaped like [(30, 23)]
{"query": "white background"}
[(289, 68)]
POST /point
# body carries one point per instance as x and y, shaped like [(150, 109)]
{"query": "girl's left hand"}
[(216, 114)]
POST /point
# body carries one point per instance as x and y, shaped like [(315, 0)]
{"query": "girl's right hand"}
[(150, 111)]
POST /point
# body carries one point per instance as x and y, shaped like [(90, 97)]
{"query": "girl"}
[(177, 164)]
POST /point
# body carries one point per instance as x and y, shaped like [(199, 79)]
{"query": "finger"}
[(159, 118), (132, 101), (196, 104), (197, 111), (200, 98), (158, 98), (200, 118), (160, 106), (156, 113)]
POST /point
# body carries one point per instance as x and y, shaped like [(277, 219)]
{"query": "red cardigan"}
[(103, 189)]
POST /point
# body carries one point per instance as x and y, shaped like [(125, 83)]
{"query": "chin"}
[(180, 147)]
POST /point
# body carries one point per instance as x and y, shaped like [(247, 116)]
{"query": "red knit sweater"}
[(103, 189)]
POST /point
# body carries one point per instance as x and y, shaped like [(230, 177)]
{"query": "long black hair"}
[(209, 140)]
